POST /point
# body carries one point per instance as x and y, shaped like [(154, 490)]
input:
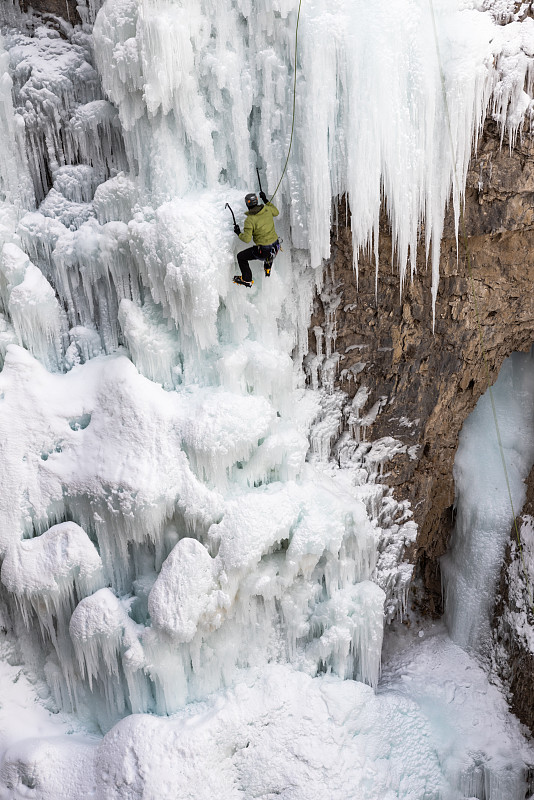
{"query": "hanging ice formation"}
[(185, 527)]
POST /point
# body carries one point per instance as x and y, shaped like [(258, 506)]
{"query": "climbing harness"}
[(465, 240), (269, 251), (294, 100)]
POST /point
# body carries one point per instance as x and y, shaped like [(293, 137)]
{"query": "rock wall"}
[(60, 8), (513, 621), (426, 380)]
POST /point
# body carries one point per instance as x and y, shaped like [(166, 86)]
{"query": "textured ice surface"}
[(15, 185), (47, 564), (59, 106), (479, 744), (484, 514), (127, 460), (365, 126), (37, 317), (436, 730)]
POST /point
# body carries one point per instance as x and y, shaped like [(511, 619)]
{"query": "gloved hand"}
[(237, 229), (264, 197)]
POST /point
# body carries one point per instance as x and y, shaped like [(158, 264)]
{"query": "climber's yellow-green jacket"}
[(259, 225)]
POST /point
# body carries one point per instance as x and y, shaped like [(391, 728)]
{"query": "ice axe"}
[(259, 179), (231, 212)]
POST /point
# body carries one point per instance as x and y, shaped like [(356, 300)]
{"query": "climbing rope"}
[(294, 100), (465, 240)]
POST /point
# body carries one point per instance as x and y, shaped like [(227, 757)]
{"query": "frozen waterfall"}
[(174, 539), (484, 519)]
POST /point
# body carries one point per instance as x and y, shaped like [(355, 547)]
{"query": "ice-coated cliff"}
[(171, 527)]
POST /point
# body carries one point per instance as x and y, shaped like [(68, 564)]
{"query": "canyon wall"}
[(513, 619), (427, 380)]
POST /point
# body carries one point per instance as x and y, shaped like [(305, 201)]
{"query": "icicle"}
[(102, 632), (154, 348), (38, 320), (15, 184), (49, 571)]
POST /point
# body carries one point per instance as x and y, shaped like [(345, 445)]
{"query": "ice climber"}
[(259, 226)]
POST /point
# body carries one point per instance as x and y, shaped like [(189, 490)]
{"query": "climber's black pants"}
[(256, 253)]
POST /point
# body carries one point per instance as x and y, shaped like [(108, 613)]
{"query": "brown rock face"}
[(430, 380), (515, 665), (60, 8)]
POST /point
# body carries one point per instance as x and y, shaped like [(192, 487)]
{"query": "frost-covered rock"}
[(53, 568), (70, 214), (32, 305), (184, 592), (115, 199)]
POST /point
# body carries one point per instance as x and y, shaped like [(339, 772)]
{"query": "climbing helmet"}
[(251, 200)]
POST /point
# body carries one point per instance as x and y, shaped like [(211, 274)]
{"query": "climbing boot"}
[(267, 267), (239, 280)]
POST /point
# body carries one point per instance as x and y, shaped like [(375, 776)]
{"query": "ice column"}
[(38, 319), (484, 517), (15, 184)]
